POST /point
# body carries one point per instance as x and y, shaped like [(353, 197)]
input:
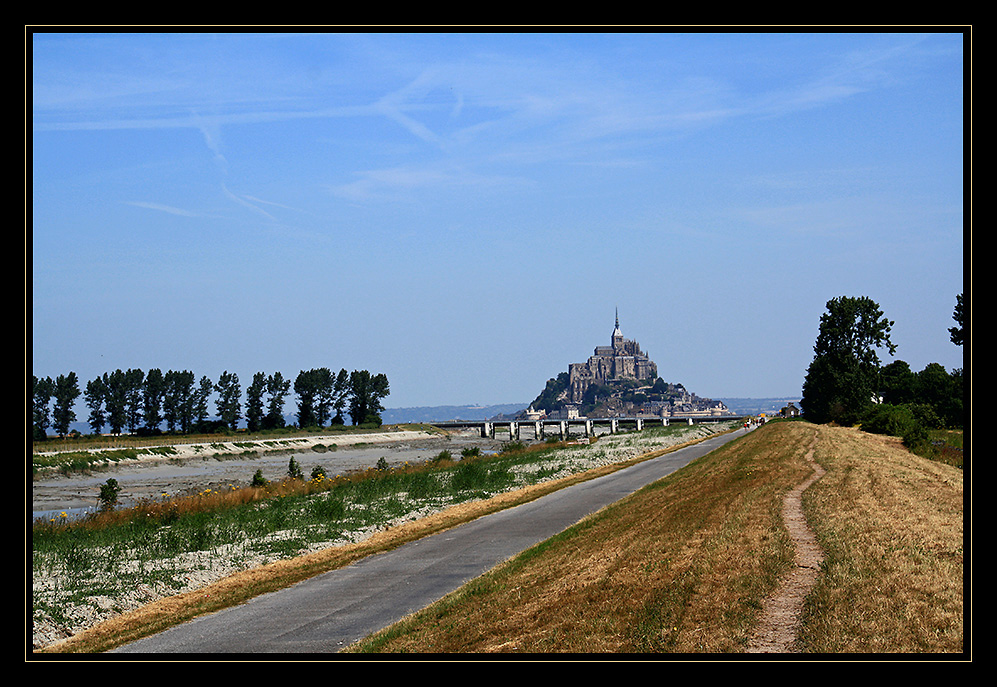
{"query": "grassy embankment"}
[(684, 564)]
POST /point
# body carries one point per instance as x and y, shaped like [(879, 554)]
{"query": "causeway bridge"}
[(540, 429)]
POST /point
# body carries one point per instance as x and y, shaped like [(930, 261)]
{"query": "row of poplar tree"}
[(146, 402)]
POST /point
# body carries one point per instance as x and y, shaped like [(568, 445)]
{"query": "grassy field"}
[(683, 565)]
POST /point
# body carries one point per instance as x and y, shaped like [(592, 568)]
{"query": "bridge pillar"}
[(640, 424), (563, 426), (588, 428), (538, 430), (513, 431), (487, 430), (689, 420), (614, 425), (664, 422)]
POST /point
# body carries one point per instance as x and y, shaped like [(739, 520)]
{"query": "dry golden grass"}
[(891, 526)]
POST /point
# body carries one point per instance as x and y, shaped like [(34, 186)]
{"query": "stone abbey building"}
[(621, 360)]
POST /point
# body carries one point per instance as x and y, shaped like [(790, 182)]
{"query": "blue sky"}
[(465, 212)]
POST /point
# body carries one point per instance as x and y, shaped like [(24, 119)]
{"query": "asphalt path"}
[(328, 612)]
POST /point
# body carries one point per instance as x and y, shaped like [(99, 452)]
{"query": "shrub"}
[(916, 438), (294, 470), (889, 419), (109, 491), (259, 480)]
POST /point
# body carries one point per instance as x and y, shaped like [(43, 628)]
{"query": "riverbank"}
[(175, 469), (154, 450)]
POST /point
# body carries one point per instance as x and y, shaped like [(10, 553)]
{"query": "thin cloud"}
[(162, 208)]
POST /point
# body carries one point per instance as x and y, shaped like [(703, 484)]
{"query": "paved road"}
[(330, 611)]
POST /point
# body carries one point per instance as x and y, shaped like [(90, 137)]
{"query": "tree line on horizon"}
[(147, 402)]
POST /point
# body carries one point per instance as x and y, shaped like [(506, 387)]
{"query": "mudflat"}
[(192, 468)]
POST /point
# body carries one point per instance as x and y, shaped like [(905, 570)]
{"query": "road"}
[(327, 613)]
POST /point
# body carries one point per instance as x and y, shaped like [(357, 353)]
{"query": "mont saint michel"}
[(618, 380)]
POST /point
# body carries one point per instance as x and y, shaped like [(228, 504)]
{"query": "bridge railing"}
[(562, 428)]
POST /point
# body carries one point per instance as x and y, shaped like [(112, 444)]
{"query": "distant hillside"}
[(395, 416)]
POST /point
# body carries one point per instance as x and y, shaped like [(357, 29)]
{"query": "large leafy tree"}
[(366, 392), (843, 378), (898, 383)]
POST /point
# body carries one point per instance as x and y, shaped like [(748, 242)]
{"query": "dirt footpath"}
[(776, 631)]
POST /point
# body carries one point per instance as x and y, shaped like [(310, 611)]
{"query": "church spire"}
[(616, 332)]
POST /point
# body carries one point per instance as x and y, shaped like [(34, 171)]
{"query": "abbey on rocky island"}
[(618, 380), (621, 360)]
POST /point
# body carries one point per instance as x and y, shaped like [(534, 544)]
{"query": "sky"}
[(466, 212)]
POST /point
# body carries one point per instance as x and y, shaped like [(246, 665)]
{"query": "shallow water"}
[(151, 478)]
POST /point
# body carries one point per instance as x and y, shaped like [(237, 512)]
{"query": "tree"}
[(366, 392), (277, 388), (341, 391), (325, 394), (204, 390), (227, 403), (898, 383), (304, 387), (179, 400), (67, 390), (41, 395), (955, 333), (254, 402), (843, 378), (94, 397), (133, 380), (943, 392), (153, 392), (116, 400)]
